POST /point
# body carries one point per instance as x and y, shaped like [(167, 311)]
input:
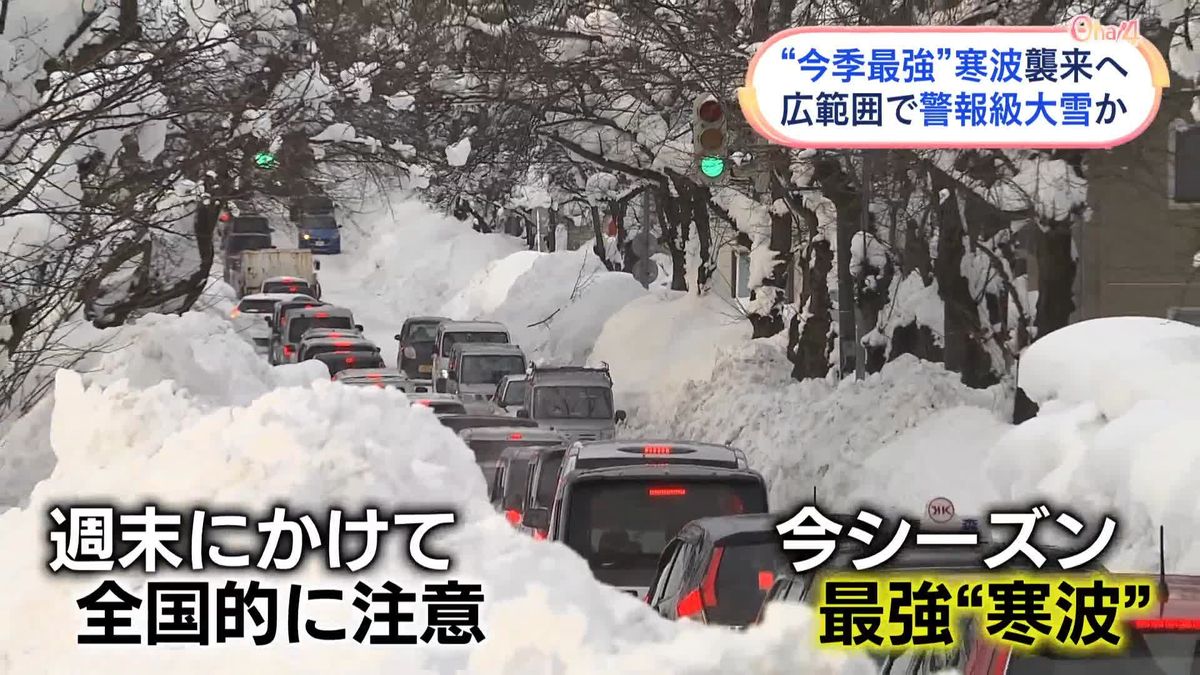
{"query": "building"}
[(1136, 250)]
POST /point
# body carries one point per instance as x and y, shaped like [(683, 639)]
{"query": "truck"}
[(576, 401), (258, 266), (316, 226)]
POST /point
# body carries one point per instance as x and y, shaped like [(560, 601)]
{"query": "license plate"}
[(425, 369), (319, 243)]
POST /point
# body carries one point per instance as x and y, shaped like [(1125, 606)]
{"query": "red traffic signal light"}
[(710, 112)]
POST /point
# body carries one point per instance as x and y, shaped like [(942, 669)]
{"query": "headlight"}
[(307, 237), (445, 374)]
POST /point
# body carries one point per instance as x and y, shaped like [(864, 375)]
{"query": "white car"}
[(251, 314)]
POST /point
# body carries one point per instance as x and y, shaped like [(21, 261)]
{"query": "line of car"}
[(684, 526)]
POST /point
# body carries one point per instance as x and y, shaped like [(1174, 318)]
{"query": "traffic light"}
[(710, 136), (264, 159)]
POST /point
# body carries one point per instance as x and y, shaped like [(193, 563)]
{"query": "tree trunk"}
[(809, 331), (770, 323), (1056, 277), (670, 219), (839, 187)]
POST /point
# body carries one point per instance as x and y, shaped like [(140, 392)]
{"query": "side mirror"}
[(539, 519), (396, 337), (267, 319), (316, 264), (619, 418), (523, 414), (358, 327)]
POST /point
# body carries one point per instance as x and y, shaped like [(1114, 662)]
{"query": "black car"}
[(414, 353), (543, 481), (507, 490), (717, 570), (620, 502), (461, 422)]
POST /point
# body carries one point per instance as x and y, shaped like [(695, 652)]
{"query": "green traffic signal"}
[(265, 160), (712, 167)]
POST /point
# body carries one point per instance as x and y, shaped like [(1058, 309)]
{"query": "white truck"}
[(259, 266)]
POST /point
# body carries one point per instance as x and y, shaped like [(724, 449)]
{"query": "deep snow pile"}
[(901, 434), (1117, 430), (314, 447)]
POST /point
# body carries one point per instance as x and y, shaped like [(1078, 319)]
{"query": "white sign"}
[(1080, 85)]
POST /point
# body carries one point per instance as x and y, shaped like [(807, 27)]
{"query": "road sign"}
[(940, 510)]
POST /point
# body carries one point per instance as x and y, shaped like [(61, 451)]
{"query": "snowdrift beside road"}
[(315, 447), (1117, 430)]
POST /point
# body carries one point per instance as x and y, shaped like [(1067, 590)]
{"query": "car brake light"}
[(1167, 625), (689, 605), (224, 217), (423, 402), (287, 350), (515, 436), (513, 517), (667, 491), (374, 376), (656, 450), (292, 288), (540, 535), (349, 360), (322, 315), (765, 580), (341, 344), (235, 313)]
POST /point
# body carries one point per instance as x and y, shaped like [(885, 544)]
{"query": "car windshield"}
[(298, 325), (314, 205), (252, 242), (621, 526), (569, 402), (317, 222), (489, 368), (514, 393), (421, 332), (744, 575), (451, 339), (312, 351), (547, 478), (1147, 654), (256, 306), (487, 452), (298, 286)]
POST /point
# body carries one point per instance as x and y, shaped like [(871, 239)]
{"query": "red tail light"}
[(513, 517), (322, 315), (656, 450), (667, 491), (374, 376), (1167, 625), (765, 580), (689, 605), (515, 436), (706, 596), (235, 313), (423, 402), (287, 350), (349, 360), (224, 217), (341, 344), (540, 535), (293, 289)]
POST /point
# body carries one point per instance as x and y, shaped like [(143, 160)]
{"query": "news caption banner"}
[(104, 541), (1010, 599), (1078, 85)]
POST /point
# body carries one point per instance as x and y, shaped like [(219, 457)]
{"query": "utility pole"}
[(846, 324), (646, 229)]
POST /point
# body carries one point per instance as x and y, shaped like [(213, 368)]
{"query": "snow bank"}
[(657, 343), (849, 438), (314, 447), (1116, 433), (555, 305)]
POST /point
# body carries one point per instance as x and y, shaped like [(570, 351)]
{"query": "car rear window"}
[(249, 306), (515, 479), (298, 325), (317, 221), (286, 287), (482, 422), (313, 351), (1147, 654), (547, 477), (337, 362), (244, 242), (251, 224), (626, 523), (744, 575), (487, 453), (488, 337), (514, 393)]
